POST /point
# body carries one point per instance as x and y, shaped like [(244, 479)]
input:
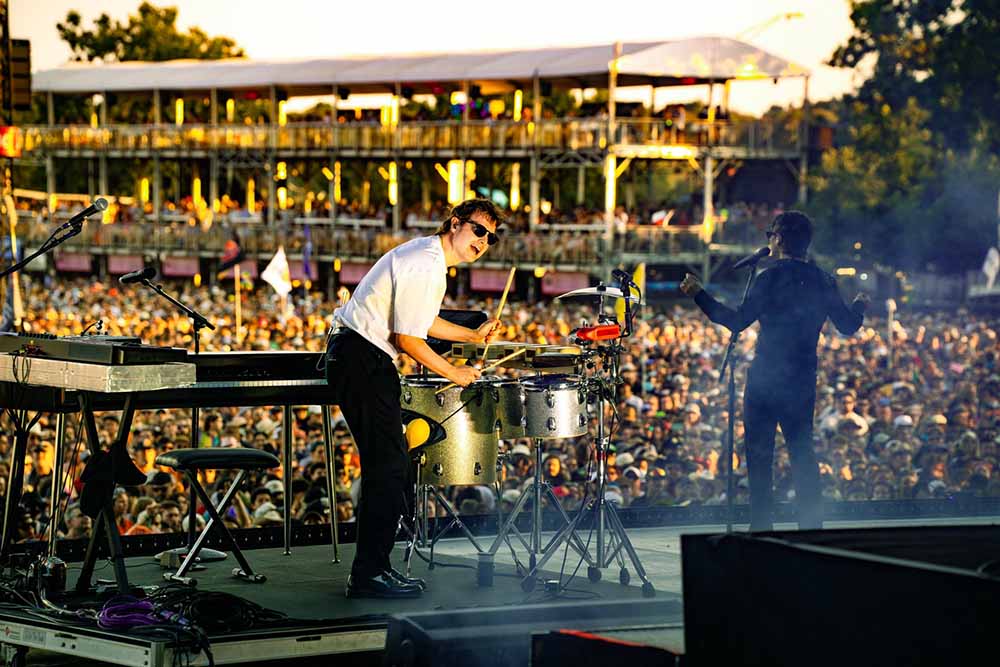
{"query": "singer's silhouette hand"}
[(690, 285)]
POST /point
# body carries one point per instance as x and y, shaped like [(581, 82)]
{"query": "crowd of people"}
[(917, 416), (572, 236)]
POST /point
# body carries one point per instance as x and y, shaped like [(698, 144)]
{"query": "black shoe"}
[(381, 585), (403, 579)]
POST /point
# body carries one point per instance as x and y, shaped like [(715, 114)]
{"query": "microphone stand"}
[(729, 363), (197, 319), (199, 322), (67, 230), (15, 479)]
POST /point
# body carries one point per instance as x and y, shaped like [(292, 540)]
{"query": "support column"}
[(708, 216), (534, 200), (272, 187), (804, 146), (214, 106), (50, 181), (213, 181), (157, 108), (397, 218), (157, 191), (581, 185), (610, 162), (333, 120), (535, 177), (50, 163), (463, 151), (102, 158)]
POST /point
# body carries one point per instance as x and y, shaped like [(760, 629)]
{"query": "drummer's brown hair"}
[(465, 210)]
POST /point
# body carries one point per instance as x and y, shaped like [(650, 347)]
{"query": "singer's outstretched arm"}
[(846, 318), (734, 319)]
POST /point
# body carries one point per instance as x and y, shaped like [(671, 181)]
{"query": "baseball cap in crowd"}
[(520, 450), (903, 420), (265, 514), (266, 426), (693, 407), (939, 419), (274, 487), (625, 459), (510, 496), (881, 438), (614, 495)]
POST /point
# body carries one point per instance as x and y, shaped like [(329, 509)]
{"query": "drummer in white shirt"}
[(394, 309)]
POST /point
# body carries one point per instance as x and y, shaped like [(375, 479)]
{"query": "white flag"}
[(277, 273), (991, 265)]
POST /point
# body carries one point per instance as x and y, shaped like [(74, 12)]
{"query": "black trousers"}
[(366, 384), (765, 406)]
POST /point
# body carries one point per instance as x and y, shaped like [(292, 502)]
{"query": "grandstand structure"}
[(520, 144)]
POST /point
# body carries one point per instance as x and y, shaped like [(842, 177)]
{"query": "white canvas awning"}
[(694, 60), (708, 59)]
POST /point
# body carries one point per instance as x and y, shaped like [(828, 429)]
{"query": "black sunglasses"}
[(481, 231)]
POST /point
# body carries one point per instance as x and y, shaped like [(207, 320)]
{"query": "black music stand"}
[(102, 474)]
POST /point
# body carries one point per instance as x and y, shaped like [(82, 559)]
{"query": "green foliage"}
[(915, 170), (942, 52), (149, 35)]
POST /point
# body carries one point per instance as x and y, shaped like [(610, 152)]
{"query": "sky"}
[(311, 28)]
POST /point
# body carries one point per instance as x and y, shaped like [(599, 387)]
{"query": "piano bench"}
[(190, 461)]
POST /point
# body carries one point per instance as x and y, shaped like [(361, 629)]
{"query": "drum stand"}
[(420, 536), (604, 514), (508, 527)]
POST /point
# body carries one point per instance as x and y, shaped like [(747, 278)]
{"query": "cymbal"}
[(600, 290)]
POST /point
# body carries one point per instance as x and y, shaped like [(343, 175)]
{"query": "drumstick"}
[(490, 367), (503, 302)]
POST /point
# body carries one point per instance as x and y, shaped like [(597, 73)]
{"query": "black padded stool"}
[(190, 461)]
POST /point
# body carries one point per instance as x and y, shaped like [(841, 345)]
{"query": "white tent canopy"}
[(708, 58), (694, 60)]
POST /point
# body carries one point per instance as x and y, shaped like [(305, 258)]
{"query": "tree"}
[(871, 188), (941, 52), (150, 35), (914, 173)]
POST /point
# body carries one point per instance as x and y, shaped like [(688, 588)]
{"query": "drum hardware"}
[(534, 547), (606, 522), (462, 442), (420, 535)]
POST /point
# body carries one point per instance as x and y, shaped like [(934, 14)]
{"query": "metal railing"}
[(751, 135), (550, 245), (566, 134)]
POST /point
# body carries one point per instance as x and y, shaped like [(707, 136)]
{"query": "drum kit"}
[(561, 399)]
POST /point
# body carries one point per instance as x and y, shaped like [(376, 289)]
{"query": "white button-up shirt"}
[(401, 293)]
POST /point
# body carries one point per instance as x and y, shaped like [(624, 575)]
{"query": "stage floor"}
[(307, 585)]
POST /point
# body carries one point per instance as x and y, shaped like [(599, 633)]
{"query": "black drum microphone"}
[(144, 273)]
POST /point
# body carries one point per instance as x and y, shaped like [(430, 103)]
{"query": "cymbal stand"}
[(611, 537)]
